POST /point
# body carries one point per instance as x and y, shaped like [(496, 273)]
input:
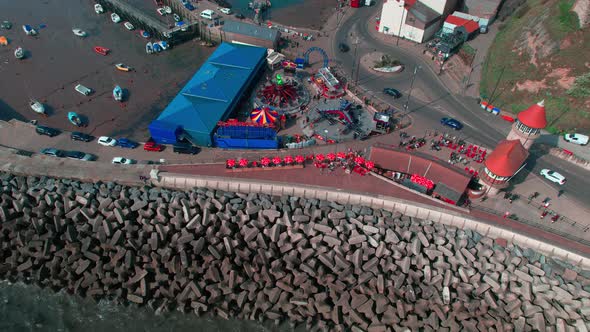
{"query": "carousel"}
[(284, 94)]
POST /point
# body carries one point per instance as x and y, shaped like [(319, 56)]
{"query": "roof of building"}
[(506, 158), (417, 163), (469, 25), (447, 192), (422, 13), (251, 30), (209, 94), (534, 116), (482, 8)]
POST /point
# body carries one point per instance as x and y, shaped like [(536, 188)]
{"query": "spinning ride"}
[(279, 93)]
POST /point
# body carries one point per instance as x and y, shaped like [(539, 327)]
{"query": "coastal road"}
[(480, 127)]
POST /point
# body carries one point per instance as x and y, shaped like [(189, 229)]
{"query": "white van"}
[(83, 90), (207, 14)]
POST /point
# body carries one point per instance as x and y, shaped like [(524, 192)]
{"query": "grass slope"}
[(540, 53)]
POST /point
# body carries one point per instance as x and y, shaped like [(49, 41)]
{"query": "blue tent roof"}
[(210, 94)]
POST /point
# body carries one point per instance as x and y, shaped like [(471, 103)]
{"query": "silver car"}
[(80, 155)]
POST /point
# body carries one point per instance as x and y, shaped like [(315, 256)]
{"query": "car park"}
[(185, 149), (53, 152), (123, 161), (47, 131), (79, 155), (127, 143), (78, 136), (576, 138), (392, 92), (450, 122), (83, 90), (343, 47), (553, 176), (153, 146), (107, 141)]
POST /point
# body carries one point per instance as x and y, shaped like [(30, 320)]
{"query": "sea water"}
[(30, 308), (242, 5)]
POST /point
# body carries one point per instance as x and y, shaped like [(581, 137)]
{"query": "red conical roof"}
[(507, 158), (534, 116)]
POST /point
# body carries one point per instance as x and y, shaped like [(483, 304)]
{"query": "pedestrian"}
[(544, 214), (559, 193), (506, 214), (506, 195)]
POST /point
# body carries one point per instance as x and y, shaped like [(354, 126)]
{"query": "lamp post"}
[(401, 23), (326, 132), (356, 42), (406, 105)]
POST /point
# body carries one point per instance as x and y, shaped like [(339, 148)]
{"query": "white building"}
[(416, 20)]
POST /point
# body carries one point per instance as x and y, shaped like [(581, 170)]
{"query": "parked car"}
[(107, 141), (343, 47), (239, 16), (78, 136), (123, 161), (153, 146), (450, 122), (47, 131), (79, 155), (185, 149), (392, 92), (576, 138), (127, 143), (53, 152), (553, 176), (226, 11)]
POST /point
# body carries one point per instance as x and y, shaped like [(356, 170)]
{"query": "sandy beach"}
[(57, 60)]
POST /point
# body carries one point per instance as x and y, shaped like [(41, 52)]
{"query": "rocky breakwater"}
[(258, 257)]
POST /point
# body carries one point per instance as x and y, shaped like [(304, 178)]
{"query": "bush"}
[(581, 87)]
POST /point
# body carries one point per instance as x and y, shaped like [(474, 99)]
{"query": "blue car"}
[(188, 6), (127, 143), (450, 122)]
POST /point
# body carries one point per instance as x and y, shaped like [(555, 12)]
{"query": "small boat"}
[(164, 45), (157, 47), (176, 17), (98, 9), (101, 50), (118, 93), (3, 41), (19, 53), (168, 10), (149, 49), (6, 25), (123, 67), (37, 107), (115, 18), (129, 26), (79, 32), (75, 119), (144, 34), (29, 30)]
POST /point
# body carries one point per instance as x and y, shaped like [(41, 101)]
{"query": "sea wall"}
[(280, 258)]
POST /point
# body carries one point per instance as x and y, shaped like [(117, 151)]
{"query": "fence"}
[(541, 226)]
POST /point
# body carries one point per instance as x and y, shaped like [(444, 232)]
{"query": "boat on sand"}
[(123, 67), (19, 53), (37, 107), (118, 93), (79, 32), (29, 30), (98, 9), (74, 119), (101, 50), (149, 49)]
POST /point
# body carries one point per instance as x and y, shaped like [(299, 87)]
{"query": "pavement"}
[(210, 162)]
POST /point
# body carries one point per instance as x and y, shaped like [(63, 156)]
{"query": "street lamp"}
[(407, 104), (326, 131)]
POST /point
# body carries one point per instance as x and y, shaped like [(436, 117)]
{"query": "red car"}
[(152, 146)]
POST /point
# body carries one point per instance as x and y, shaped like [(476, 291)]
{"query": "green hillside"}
[(540, 53)]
